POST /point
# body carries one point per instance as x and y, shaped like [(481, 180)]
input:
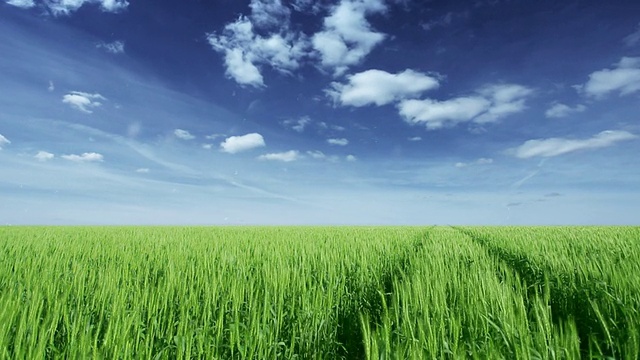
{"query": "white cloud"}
[(316, 154), (480, 161), (415, 138), (559, 146), (116, 47), (183, 134), (269, 13), (288, 156), (143, 170), (244, 50), (207, 146), (235, 144), (298, 125), (85, 157), (380, 87), (347, 37), (214, 136), (351, 158), (559, 110), (83, 101), (634, 38), (624, 78), (4, 141), (506, 99), (51, 86), (43, 156), (492, 103), (338, 142), (25, 4), (437, 114), (65, 7)]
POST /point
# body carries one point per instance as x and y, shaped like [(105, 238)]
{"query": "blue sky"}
[(327, 112)]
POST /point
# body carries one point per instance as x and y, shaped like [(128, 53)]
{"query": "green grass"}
[(319, 292)]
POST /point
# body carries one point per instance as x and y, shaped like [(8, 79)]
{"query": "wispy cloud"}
[(287, 156), (25, 4), (347, 37), (115, 47), (492, 103), (236, 144), (558, 146), (83, 101), (559, 110), (445, 20), (66, 7), (380, 87), (297, 124), (143, 170), (269, 13), (44, 156), (338, 142), (624, 79), (84, 157), (3, 141), (319, 155), (351, 158), (415, 138), (633, 39), (183, 134), (480, 161)]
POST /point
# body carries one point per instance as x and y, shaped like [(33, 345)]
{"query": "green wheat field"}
[(319, 292)]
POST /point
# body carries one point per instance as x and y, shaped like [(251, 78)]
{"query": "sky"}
[(333, 112)]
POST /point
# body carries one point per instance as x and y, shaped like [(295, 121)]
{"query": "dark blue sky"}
[(300, 112)]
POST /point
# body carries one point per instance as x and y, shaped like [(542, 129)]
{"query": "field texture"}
[(319, 293)]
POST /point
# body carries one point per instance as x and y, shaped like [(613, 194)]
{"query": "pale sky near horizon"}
[(319, 112)]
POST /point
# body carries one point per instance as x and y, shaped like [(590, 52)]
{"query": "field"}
[(319, 292)]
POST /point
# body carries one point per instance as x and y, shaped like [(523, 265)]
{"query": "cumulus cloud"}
[(559, 110), (297, 124), (245, 51), (25, 4), (351, 158), (116, 47), (380, 87), (3, 141), (44, 156), (85, 157), (288, 156), (347, 37), (491, 103), (236, 144), (558, 146), (338, 142), (183, 134), (633, 39), (624, 79), (83, 101)]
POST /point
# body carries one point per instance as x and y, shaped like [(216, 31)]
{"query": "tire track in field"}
[(350, 332), (566, 302)]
